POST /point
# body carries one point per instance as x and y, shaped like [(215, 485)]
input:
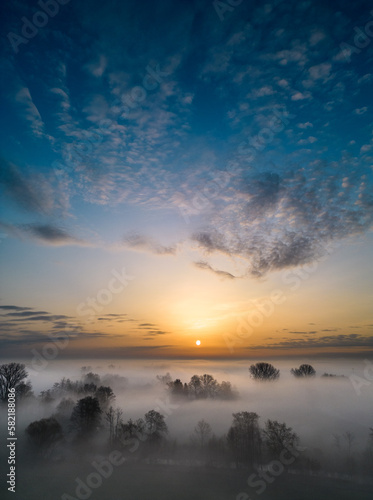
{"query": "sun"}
[(198, 342)]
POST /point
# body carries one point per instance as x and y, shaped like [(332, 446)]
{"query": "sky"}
[(177, 171)]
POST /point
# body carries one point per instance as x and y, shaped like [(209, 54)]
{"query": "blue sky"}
[(206, 146)]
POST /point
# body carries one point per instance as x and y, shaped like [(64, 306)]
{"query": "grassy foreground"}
[(157, 482)]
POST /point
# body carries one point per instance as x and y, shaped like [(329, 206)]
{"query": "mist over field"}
[(318, 410)]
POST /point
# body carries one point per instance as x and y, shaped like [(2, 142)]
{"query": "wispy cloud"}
[(143, 243), (47, 234), (31, 190), (208, 267)]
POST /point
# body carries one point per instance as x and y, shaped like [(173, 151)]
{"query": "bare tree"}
[(244, 437), (11, 376), (303, 371), (279, 436), (264, 372), (114, 420), (349, 437), (202, 432)]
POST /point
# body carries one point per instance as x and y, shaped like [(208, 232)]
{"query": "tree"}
[(194, 386), (86, 416), (11, 376), (91, 378), (155, 426), (177, 388), (279, 437), (226, 392), (303, 371), (114, 420), (264, 371), (105, 396), (44, 435), (24, 390), (244, 437), (203, 432), (164, 379), (203, 386), (131, 429), (65, 406), (349, 437), (46, 397)]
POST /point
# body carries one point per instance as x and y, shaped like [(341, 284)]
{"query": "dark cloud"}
[(332, 341), (221, 274), (15, 308), (305, 333), (45, 317), (26, 313), (279, 220), (31, 191), (46, 233), (143, 243), (52, 235)]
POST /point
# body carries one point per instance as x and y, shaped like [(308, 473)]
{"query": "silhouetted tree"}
[(114, 420), (278, 437), (86, 416), (225, 391), (63, 412), (65, 406), (164, 379), (132, 430), (195, 386), (244, 437), (105, 396), (304, 371), (264, 371), (44, 434), (349, 437), (202, 387), (11, 376), (202, 433), (24, 390), (209, 386), (155, 426), (46, 397), (177, 388), (91, 378)]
